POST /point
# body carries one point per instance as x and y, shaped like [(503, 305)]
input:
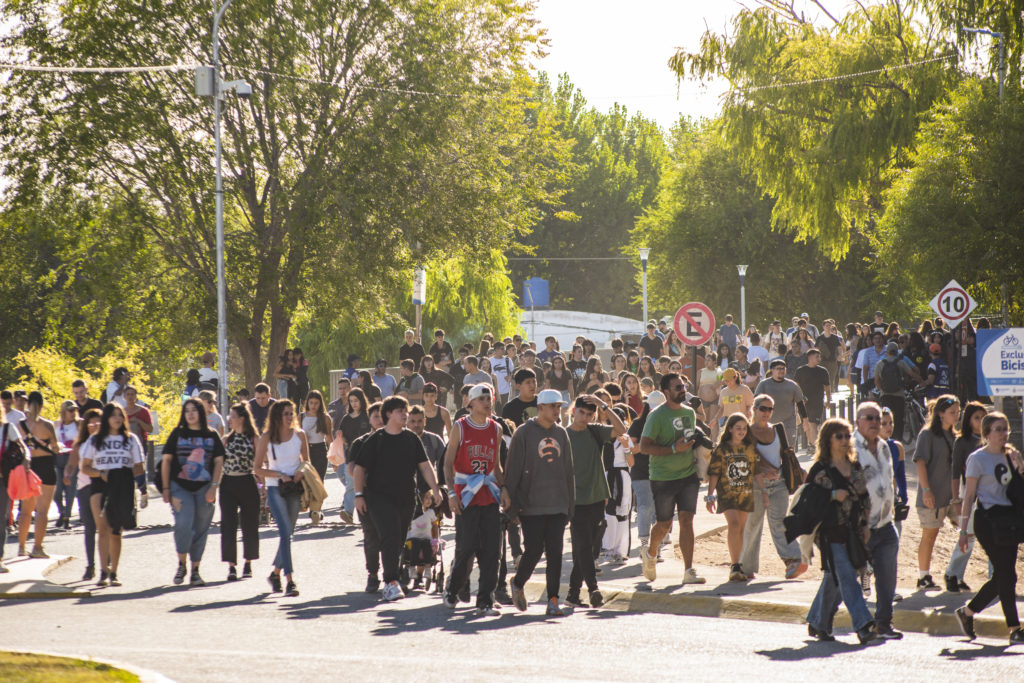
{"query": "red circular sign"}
[(694, 323)]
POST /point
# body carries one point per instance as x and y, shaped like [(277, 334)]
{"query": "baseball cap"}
[(892, 348), (730, 373), (381, 361), (549, 396), (935, 348), (655, 398), (778, 362), (479, 390), (804, 315), (20, 393)]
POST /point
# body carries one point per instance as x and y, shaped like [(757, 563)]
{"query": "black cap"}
[(777, 363), (20, 393)]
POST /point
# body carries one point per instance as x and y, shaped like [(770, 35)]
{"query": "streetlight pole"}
[(222, 316), (743, 297), (644, 253)]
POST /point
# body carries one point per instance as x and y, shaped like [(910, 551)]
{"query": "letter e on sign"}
[(694, 323)]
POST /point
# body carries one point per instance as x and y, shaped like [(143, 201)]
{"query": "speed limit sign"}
[(953, 304)]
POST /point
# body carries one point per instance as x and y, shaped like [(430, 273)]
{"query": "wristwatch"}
[(358, 494), (710, 498)]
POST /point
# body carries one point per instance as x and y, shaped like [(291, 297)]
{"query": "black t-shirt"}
[(414, 352), (259, 413), (353, 426), (652, 347), (829, 347), (442, 350), (391, 462), (519, 411), (812, 382), (442, 379), (559, 383), (577, 368), (90, 404), (641, 461), (194, 452)]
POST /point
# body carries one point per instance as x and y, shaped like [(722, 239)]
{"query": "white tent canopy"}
[(565, 326)]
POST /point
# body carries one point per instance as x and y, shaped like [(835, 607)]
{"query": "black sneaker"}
[(573, 598), (179, 576), (966, 622), (596, 599), (887, 632), (114, 580), (501, 596), (292, 590), (963, 586), (820, 635), (866, 633), (464, 593), (926, 582), (90, 573), (372, 583), (195, 579), (275, 582), (952, 585), (103, 579), (1017, 637), (232, 574), (247, 570), (417, 583)]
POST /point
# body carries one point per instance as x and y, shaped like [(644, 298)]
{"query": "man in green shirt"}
[(588, 441), (668, 439)]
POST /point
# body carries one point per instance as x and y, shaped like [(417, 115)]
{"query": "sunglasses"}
[(870, 418), (845, 436), (766, 409)]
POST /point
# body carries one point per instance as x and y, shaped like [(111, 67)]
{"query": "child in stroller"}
[(424, 546)]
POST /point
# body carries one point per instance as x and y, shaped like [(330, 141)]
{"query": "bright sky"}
[(618, 50)]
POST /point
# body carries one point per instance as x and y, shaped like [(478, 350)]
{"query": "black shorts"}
[(815, 414), (677, 494), (97, 485), (45, 467)]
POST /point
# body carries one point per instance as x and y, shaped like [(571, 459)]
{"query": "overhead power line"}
[(830, 79), (97, 69)]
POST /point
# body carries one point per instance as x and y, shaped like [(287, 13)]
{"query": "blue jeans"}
[(958, 561), (884, 546), (191, 521), (826, 602), (348, 503), (778, 506), (644, 507), (85, 514), (64, 495), (286, 511)]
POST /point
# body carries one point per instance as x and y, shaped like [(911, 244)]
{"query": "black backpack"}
[(889, 376)]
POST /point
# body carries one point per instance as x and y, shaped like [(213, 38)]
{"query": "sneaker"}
[(821, 636), (554, 609), (963, 586), (952, 585), (114, 580), (690, 576), (345, 516), (275, 582), (417, 583), (3, 568), (464, 593), (247, 570), (487, 611), (291, 591), (195, 579), (795, 568), (315, 518), (232, 574), (573, 598), (393, 592), (866, 633), (179, 576), (103, 579), (926, 582), (1017, 637), (596, 599), (144, 500), (649, 565), (372, 583), (38, 554), (896, 597), (887, 632), (449, 602), (22, 552), (736, 573), (501, 596), (519, 597), (59, 524), (966, 622)]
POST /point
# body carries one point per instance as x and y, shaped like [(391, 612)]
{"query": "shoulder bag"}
[(790, 471)]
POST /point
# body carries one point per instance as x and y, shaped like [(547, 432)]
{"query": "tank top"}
[(66, 433), (284, 457), (436, 424), (477, 454), (771, 452), (309, 426)]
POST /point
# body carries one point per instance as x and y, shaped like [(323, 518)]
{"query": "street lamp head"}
[(742, 270), (644, 253)]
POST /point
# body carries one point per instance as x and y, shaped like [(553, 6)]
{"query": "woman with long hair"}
[(724, 356), (842, 533), (112, 458), (301, 387), (631, 393), (285, 373), (280, 451), (618, 366), (988, 478), (892, 333), (239, 495), (317, 426), (593, 377), (731, 475), (41, 438), (560, 379), (87, 427), (67, 428), (633, 361), (438, 419), (933, 458), (191, 470), (354, 423), (967, 441), (442, 380), (647, 369), (370, 390)]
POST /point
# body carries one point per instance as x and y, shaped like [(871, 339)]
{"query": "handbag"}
[(13, 452), (286, 488), (22, 484), (791, 472)]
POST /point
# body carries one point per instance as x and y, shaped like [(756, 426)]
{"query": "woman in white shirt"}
[(67, 429), (112, 458), (316, 424), (280, 452), (88, 427), (616, 541)]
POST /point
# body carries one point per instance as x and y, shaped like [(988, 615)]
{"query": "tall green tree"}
[(612, 177), (378, 135), (710, 216), (823, 146)]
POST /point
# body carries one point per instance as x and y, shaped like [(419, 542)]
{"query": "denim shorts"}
[(677, 494)]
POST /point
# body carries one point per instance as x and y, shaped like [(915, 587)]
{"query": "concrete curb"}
[(936, 622), (145, 675), (31, 583)]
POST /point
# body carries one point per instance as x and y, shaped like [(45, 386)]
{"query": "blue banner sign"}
[(1001, 362)]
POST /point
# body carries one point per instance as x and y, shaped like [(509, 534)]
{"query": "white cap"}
[(655, 399), (479, 390), (549, 396)]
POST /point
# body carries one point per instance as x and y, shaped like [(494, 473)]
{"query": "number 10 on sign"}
[(953, 304)]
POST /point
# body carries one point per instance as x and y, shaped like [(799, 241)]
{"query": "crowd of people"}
[(519, 444)]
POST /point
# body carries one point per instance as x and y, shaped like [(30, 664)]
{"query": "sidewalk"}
[(27, 579)]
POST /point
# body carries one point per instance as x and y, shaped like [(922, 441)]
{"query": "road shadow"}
[(978, 651), (437, 616), (813, 649), (344, 603), (102, 595), (202, 607)]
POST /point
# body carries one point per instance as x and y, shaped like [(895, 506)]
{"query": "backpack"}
[(890, 377)]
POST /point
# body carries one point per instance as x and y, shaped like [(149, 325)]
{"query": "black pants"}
[(392, 519), (318, 458), (371, 544), (583, 530), (509, 539), (239, 500), (1004, 575), (477, 535), (898, 405), (542, 533)]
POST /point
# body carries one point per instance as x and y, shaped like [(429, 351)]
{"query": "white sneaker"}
[(649, 565), (393, 592), (144, 500), (690, 576)]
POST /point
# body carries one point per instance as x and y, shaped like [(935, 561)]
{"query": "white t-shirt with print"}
[(116, 451)]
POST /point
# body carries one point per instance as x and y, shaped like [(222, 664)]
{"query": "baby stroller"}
[(427, 552)]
